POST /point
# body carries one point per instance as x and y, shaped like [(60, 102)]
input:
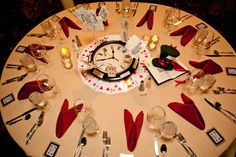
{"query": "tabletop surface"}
[(109, 108)]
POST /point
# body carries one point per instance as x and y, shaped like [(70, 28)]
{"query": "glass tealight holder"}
[(168, 130), (66, 60)]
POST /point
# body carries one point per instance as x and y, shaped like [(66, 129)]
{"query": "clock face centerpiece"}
[(113, 61)]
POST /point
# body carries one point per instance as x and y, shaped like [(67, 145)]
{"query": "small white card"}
[(126, 155)]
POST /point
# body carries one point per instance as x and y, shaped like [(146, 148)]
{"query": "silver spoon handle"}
[(228, 116), (229, 113)]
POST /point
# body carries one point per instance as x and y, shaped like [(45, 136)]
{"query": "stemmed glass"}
[(38, 51), (155, 117), (47, 85), (39, 100), (126, 11), (28, 62), (85, 115), (171, 18)]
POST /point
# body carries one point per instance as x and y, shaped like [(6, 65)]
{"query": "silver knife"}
[(156, 147), (214, 55)]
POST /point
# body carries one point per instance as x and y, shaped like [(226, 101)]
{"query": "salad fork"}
[(186, 147), (107, 146)]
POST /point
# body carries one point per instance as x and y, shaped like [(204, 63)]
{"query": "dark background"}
[(17, 17)]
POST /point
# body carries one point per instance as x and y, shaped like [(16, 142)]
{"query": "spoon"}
[(82, 144), (26, 117), (163, 149), (219, 106), (14, 66)]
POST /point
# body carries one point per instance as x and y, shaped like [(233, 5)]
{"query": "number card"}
[(51, 149), (153, 7), (7, 99), (215, 136), (231, 71), (201, 25), (20, 49)]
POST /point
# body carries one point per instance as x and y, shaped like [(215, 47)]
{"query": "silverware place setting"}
[(182, 19), (106, 143), (134, 9), (80, 147), (15, 79), (38, 35), (36, 125), (217, 106), (222, 90), (14, 66)]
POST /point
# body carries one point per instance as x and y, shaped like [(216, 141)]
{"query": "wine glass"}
[(171, 18), (155, 117), (47, 85), (126, 11), (38, 51), (85, 110)]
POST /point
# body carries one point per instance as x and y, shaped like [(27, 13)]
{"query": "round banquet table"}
[(109, 108)]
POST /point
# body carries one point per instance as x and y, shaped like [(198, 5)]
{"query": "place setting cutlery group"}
[(15, 79), (217, 106), (106, 143), (222, 90)]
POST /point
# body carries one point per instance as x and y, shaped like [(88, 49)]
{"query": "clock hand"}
[(104, 59)]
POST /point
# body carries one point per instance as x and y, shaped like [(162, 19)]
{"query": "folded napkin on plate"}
[(66, 118), (188, 111), (208, 66), (27, 89), (28, 51), (65, 23), (132, 129), (148, 16), (187, 32), (104, 22)]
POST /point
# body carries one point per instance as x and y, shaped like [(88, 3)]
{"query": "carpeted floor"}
[(19, 16)]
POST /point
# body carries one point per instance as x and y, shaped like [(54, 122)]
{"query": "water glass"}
[(194, 80), (168, 130), (28, 62), (126, 8), (48, 29), (203, 39), (207, 82), (38, 100), (171, 18), (90, 125), (155, 117)]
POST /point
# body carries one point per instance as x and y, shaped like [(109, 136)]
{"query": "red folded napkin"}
[(104, 22), (188, 111), (27, 89), (148, 16), (208, 66), (132, 129), (28, 51), (66, 118), (187, 32), (65, 22)]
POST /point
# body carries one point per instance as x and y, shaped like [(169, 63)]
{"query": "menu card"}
[(160, 75)]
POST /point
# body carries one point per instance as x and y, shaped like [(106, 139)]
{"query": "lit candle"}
[(65, 52)]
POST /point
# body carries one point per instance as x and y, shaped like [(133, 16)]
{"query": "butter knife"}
[(156, 147), (214, 55)]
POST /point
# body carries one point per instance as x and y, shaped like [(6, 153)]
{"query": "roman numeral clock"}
[(112, 61)]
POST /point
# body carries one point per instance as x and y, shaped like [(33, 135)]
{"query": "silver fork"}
[(104, 140), (36, 125), (107, 145), (186, 147)]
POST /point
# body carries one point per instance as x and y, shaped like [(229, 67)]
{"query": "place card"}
[(51, 149), (215, 136), (201, 25), (153, 7), (7, 99), (20, 49), (55, 18), (231, 71)]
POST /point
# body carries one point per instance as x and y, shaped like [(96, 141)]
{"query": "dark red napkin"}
[(148, 16), (27, 89), (188, 111), (28, 51), (208, 66), (66, 118), (65, 23), (104, 22), (132, 129), (187, 32)]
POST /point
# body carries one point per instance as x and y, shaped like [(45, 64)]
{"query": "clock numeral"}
[(104, 49), (100, 54), (124, 51), (127, 56), (126, 61), (118, 48)]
